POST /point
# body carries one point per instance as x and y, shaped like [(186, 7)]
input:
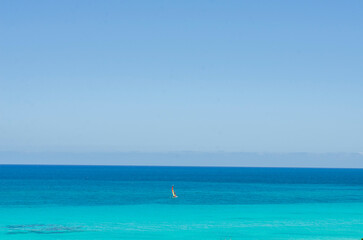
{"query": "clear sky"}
[(255, 76)]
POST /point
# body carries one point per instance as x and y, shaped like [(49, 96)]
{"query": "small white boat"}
[(172, 191)]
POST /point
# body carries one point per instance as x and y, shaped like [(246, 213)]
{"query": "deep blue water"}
[(120, 185), (185, 174)]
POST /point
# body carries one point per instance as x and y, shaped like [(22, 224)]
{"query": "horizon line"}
[(176, 166)]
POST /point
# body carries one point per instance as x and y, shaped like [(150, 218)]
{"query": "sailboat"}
[(172, 191)]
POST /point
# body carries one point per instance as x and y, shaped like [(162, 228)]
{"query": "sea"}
[(218, 203)]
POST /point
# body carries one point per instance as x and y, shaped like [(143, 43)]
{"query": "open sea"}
[(109, 202)]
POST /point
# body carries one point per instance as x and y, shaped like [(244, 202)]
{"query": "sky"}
[(162, 76)]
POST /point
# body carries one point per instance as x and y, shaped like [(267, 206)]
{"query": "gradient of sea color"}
[(94, 202)]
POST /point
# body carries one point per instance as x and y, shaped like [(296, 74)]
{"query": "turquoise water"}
[(63, 202)]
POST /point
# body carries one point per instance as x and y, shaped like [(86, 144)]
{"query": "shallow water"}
[(64, 202)]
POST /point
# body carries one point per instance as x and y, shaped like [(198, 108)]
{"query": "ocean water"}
[(99, 202)]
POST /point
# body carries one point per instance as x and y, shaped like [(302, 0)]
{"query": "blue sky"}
[(255, 76)]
